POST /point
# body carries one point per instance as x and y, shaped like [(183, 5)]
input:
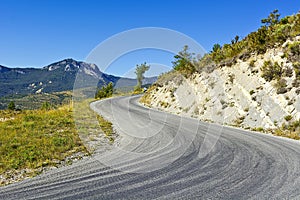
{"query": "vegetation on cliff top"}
[(273, 33)]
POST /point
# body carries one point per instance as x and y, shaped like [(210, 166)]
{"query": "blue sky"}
[(36, 33)]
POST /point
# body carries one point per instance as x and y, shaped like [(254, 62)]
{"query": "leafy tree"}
[(105, 91), (140, 71), (11, 106)]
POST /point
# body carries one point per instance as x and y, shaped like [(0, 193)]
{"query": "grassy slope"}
[(37, 138)]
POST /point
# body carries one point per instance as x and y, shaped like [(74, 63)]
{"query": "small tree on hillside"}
[(271, 71), (216, 53), (11, 106), (216, 48), (184, 62), (140, 71), (105, 91), (236, 39), (272, 19)]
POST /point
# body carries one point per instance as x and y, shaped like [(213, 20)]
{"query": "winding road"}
[(164, 156)]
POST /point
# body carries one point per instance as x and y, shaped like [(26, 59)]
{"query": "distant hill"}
[(56, 77)]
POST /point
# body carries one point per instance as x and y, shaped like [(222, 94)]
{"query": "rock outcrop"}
[(233, 95)]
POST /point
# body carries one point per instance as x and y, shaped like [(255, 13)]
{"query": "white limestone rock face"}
[(235, 95)]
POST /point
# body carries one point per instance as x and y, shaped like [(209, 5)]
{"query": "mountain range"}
[(56, 77)]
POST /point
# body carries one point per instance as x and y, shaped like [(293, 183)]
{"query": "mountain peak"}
[(68, 64), (59, 76)]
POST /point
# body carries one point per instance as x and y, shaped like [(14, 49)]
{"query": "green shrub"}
[(146, 98), (281, 33), (294, 48), (138, 90), (46, 106), (281, 86), (231, 104), (296, 66), (271, 71), (288, 118), (11, 106), (290, 129), (164, 104), (106, 127), (105, 91), (288, 72), (260, 129), (231, 77), (258, 41), (239, 120), (252, 63)]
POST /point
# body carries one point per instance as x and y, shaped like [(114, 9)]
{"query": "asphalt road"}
[(163, 156)]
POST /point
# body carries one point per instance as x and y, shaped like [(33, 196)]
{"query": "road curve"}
[(163, 156)]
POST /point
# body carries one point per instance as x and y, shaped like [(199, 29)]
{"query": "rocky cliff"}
[(238, 93)]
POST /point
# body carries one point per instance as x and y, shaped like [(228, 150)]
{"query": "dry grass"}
[(106, 127), (35, 138), (146, 98), (90, 124)]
